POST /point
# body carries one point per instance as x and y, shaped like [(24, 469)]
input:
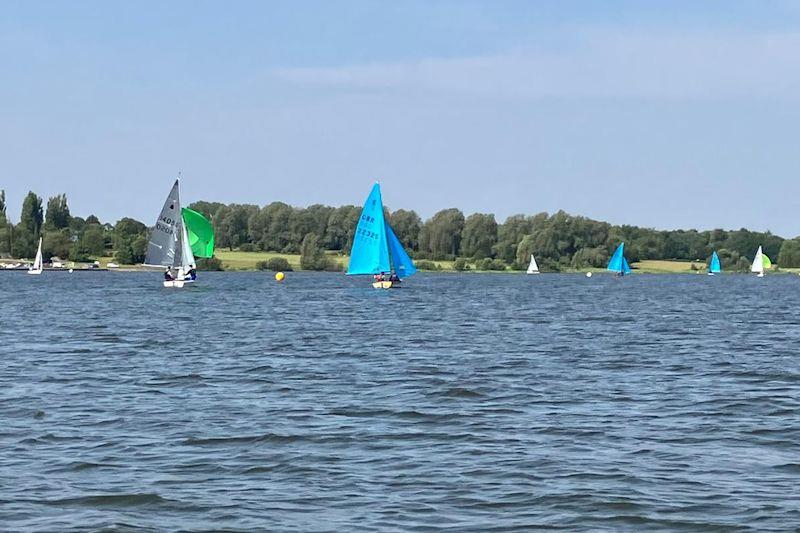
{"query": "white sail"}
[(533, 268), (38, 263), (187, 260), (163, 247), (758, 262)]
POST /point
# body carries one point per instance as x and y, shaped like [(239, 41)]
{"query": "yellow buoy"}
[(279, 276)]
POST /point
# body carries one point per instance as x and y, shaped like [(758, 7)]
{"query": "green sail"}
[(766, 261), (200, 232)]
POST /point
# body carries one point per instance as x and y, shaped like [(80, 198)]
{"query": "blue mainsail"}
[(370, 253), (618, 263), (715, 267), (403, 265)]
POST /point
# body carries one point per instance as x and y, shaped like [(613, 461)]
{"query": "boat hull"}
[(177, 284), (385, 285), (34, 272)]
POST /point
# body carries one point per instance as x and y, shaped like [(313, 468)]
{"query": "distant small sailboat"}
[(618, 264), (38, 264), (376, 249), (761, 262), (714, 267), (533, 268), (178, 236)]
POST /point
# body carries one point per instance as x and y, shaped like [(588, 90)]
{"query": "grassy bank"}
[(668, 267), (246, 261)]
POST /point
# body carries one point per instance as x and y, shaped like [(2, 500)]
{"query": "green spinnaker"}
[(765, 261), (200, 232)]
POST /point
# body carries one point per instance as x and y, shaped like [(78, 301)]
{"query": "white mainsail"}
[(758, 263), (38, 263), (533, 268), (187, 260)]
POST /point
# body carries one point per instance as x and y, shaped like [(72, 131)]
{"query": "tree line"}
[(559, 241)]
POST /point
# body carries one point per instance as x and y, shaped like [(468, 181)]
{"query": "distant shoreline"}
[(239, 261)]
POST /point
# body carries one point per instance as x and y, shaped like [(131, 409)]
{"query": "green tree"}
[(271, 228), (312, 256), (789, 256), (32, 217), (341, 228), (234, 225), (441, 235), (313, 219), (130, 241), (57, 243), (509, 235), (93, 241), (29, 229), (58, 216), (406, 226), (479, 236)]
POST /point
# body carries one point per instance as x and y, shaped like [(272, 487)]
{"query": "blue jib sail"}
[(403, 265), (618, 263), (370, 253), (715, 267)]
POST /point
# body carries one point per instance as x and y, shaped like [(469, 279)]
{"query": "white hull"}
[(710, 273), (760, 275), (177, 284), (534, 272), (35, 272)]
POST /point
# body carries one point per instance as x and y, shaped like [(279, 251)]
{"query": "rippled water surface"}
[(461, 402)]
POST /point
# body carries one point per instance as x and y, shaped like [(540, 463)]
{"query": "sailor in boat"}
[(168, 275), (393, 278), (192, 274)]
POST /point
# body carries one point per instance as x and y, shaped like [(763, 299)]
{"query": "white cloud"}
[(595, 64)]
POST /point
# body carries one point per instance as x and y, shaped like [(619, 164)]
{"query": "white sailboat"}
[(760, 262), (533, 268), (169, 244), (38, 264)]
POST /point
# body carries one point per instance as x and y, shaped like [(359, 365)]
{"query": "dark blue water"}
[(461, 403)]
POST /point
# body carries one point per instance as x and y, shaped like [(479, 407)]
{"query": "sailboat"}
[(533, 268), (179, 235), (38, 264), (714, 267), (618, 263), (376, 249), (761, 262)]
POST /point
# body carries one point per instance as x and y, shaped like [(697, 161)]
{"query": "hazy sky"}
[(665, 114)]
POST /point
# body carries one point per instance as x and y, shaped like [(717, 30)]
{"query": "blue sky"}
[(678, 114)]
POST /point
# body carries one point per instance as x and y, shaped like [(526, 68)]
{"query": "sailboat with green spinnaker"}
[(761, 262), (179, 235)]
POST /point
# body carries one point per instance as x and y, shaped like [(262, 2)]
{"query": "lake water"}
[(461, 402)]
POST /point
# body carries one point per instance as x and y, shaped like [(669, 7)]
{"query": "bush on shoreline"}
[(275, 264)]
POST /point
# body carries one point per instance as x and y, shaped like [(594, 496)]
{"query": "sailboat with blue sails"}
[(714, 267), (376, 249), (618, 264)]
